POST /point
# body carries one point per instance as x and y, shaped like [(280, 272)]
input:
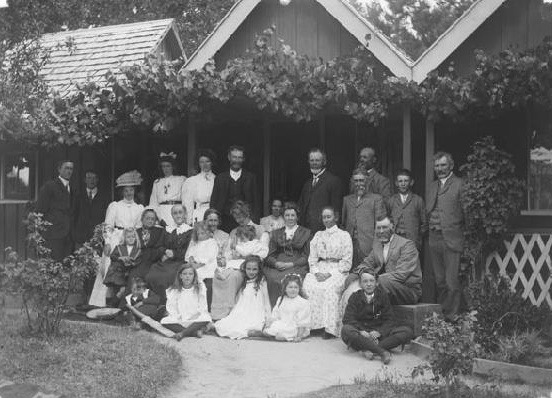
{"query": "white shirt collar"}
[(235, 175), (444, 180), (208, 175), (64, 181), (403, 197), (390, 240), (92, 191), (179, 230), (317, 175), (370, 171), (290, 231), (332, 229)]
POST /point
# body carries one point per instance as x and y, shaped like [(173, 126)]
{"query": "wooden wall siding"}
[(304, 25), (516, 25)]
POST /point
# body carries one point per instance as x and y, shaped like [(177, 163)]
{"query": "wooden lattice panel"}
[(525, 260)]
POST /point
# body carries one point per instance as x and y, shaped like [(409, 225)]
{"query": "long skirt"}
[(162, 275), (324, 298), (225, 289), (274, 280)]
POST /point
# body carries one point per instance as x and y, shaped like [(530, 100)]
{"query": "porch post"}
[(407, 138), (428, 280), (192, 144), (112, 165), (266, 165)]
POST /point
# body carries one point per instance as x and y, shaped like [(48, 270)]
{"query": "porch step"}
[(413, 315)]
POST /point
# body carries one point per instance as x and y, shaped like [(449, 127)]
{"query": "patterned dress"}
[(331, 251)]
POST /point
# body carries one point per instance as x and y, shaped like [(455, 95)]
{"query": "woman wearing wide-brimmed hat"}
[(167, 190)]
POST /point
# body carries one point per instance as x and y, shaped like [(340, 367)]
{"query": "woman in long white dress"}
[(167, 190), (330, 258), (125, 213), (198, 189), (249, 315)]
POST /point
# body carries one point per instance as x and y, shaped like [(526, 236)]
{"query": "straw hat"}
[(129, 179)]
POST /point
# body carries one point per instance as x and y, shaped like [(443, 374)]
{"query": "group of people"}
[(199, 258)]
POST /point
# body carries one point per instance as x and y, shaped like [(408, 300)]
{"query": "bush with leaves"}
[(502, 311), (492, 195), (454, 347), (44, 284)]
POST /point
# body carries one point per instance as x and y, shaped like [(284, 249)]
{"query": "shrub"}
[(501, 311), (43, 283), (518, 347), (492, 195)]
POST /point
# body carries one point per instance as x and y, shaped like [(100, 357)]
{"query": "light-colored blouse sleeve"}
[(188, 199), (346, 258), (172, 307), (153, 197), (209, 256), (110, 214), (266, 299), (202, 303), (303, 315), (313, 254)]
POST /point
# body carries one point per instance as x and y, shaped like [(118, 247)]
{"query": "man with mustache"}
[(446, 239), (395, 259), (376, 183), (235, 185)]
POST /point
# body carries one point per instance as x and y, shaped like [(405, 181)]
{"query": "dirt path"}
[(225, 368)]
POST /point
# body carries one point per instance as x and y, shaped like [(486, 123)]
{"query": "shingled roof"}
[(83, 55)]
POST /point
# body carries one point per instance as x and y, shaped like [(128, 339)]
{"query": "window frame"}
[(34, 173)]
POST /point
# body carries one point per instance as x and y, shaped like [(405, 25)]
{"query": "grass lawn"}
[(379, 389), (87, 360)]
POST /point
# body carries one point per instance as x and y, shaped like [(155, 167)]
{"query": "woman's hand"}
[(282, 265), (321, 277), (169, 253)]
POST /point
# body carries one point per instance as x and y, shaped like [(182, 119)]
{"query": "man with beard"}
[(376, 183), (395, 259), (321, 190), (235, 185), (446, 238)]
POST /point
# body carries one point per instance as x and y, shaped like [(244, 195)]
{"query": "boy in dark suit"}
[(56, 202), (234, 185), (321, 190), (90, 208)]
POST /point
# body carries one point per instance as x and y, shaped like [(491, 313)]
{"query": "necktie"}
[(314, 181), (68, 188), (90, 197)]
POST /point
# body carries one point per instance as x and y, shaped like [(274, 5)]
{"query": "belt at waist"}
[(171, 202), (198, 204), (329, 260), (117, 227)]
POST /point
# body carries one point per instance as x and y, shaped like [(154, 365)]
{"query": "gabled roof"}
[(385, 51), (453, 37), (79, 56)]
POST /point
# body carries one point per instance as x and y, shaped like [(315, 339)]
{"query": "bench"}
[(413, 315)]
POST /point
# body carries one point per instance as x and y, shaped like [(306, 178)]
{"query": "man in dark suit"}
[(233, 185), (56, 203), (446, 239), (322, 189), (90, 209), (377, 183)]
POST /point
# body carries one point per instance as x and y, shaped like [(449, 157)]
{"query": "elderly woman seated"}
[(331, 253), (368, 324), (228, 278), (288, 252)]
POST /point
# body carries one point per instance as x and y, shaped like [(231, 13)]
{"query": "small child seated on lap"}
[(291, 316), (186, 304), (124, 258), (247, 245), (142, 299)]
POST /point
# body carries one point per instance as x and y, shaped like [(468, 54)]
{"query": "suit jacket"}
[(452, 213), (403, 262), (375, 316), (57, 206), (361, 215), (410, 217), (379, 184), (88, 214), (219, 197), (326, 192), (154, 248)]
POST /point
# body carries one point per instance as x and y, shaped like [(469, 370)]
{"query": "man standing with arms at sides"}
[(233, 185), (446, 237), (321, 190), (56, 202), (377, 183)]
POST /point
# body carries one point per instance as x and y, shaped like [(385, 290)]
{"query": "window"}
[(18, 176), (540, 169)]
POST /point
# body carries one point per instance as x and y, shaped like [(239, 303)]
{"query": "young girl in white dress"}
[(291, 316), (186, 305), (249, 315)]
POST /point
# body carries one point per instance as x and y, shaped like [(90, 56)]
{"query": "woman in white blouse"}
[(198, 189), (125, 213), (330, 258), (168, 190)]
